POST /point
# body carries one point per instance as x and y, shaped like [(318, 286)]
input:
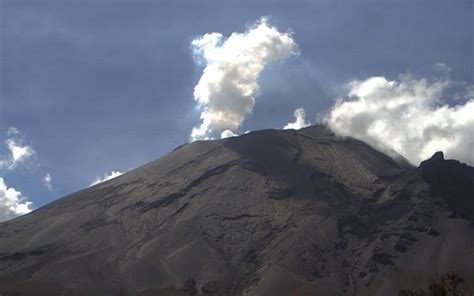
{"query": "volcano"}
[(272, 212)]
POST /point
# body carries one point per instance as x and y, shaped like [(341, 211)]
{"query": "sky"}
[(92, 89)]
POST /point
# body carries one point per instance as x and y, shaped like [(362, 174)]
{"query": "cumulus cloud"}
[(106, 177), (47, 181), (300, 120), (19, 152), (12, 202), (227, 88), (407, 116)]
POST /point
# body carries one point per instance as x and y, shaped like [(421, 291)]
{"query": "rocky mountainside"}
[(267, 213)]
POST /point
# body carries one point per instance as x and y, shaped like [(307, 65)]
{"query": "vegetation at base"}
[(445, 285)]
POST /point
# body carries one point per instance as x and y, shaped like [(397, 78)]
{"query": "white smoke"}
[(300, 120), (406, 116), (227, 134), (227, 88), (12, 202), (106, 177)]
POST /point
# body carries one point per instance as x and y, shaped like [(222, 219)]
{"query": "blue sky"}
[(98, 86)]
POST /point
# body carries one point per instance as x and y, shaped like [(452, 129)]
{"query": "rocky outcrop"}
[(452, 180)]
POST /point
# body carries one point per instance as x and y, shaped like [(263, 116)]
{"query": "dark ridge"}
[(453, 180)]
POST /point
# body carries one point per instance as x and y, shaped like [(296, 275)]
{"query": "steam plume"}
[(227, 88)]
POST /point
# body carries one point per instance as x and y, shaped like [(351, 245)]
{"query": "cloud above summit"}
[(408, 116), (226, 91)]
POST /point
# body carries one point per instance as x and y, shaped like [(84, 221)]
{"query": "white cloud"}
[(47, 181), (227, 88), (300, 120), (19, 153), (406, 116), (106, 177), (12, 203)]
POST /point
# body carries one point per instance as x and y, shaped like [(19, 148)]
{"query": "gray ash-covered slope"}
[(267, 213)]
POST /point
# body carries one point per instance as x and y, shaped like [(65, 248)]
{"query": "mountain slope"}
[(267, 213)]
